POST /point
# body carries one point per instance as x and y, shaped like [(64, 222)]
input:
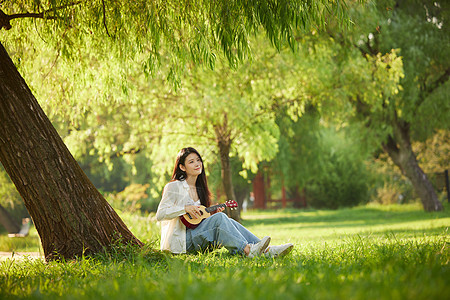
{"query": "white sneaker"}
[(258, 248), (278, 251)]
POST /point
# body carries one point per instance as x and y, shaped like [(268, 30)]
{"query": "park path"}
[(20, 255)]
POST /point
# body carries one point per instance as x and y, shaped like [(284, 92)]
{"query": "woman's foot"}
[(278, 251), (258, 248)]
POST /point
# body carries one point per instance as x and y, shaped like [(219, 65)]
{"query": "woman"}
[(183, 194)]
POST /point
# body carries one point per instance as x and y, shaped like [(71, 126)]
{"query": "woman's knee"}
[(219, 218)]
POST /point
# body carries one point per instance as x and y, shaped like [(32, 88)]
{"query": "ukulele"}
[(205, 212)]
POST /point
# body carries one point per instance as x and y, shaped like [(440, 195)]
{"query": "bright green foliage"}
[(331, 74), (95, 53), (374, 90), (147, 116), (340, 177), (232, 105), (406, 50), (391, 68), (400, 46), (366, 252), (87, 59), (130, 198), (9, 197), (325, 161), (218, 105), (172, 33)]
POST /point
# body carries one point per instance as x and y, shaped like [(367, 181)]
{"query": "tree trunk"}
[(398, 146), (227, 181), (70, 215), (259, 190), (224, 144), (8, 221)]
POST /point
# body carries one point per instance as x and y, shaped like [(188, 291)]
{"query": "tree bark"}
[(70, 215), (227, 180), (399, 148), (224, 143)]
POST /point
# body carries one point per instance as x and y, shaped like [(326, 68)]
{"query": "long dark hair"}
[(201, 184)]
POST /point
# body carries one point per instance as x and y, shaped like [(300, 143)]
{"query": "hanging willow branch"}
[(104, 18), (5, 20)]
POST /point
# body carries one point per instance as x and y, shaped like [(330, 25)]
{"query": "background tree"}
[(49, 180), (227, 113), (379, 75), (405, 86), (223, 112)]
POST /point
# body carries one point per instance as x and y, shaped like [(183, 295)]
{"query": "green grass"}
[(31, 243), (369, 252)]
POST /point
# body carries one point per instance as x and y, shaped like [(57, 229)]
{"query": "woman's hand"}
[(219, 209), (193, 210)]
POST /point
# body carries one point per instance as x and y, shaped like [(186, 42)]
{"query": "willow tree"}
[(70, 215), (228, 113)]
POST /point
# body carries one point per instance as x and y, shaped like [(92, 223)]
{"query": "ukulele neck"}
[(214, 207)]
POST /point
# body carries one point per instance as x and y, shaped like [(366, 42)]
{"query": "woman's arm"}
[(172, 204)]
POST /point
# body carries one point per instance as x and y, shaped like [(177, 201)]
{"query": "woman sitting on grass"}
[(184, 194)]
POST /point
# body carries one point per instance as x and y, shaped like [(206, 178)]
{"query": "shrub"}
[(341, 178), (130, 199)]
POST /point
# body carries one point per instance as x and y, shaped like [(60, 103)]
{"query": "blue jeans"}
[(217, 231)]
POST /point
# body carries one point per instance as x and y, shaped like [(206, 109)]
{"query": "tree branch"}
[(430, 88), (427, 90), (390, 146), (104, 18), (5, 19)]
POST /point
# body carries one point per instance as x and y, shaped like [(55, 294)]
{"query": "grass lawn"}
[(368, 252)]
